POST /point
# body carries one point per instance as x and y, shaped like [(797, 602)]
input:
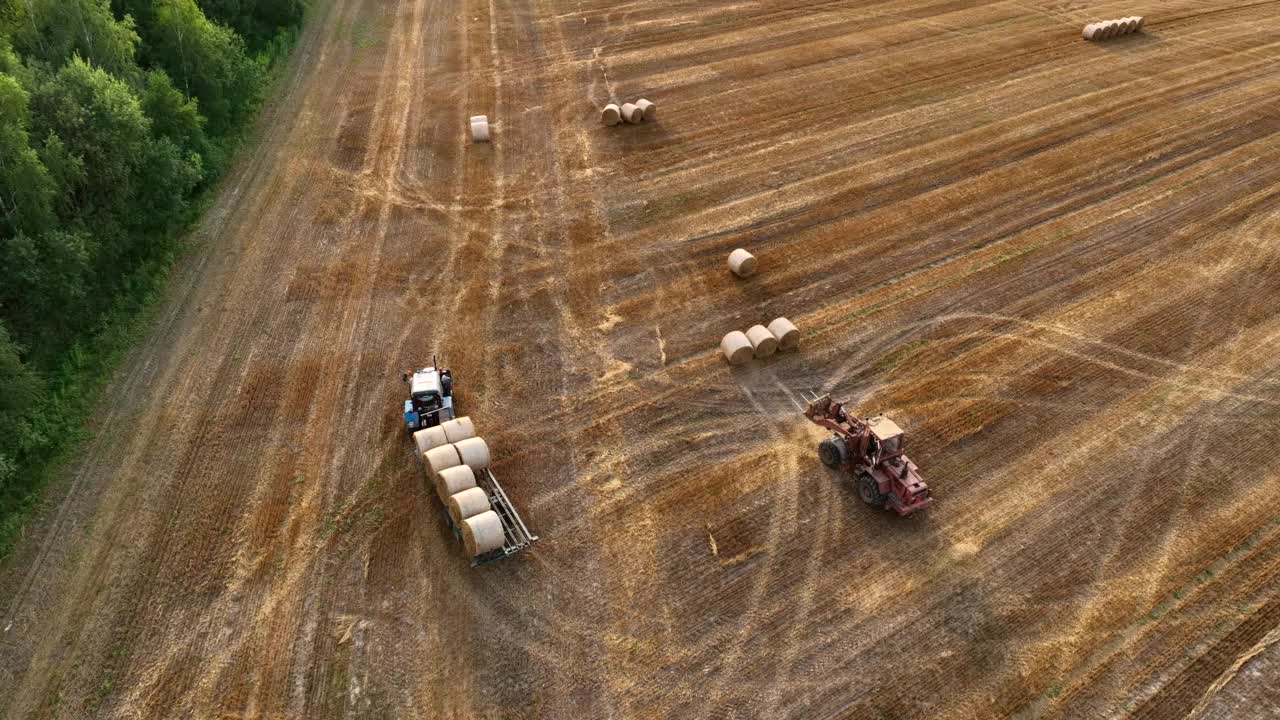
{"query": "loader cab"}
[(430, 398), (886, 437)]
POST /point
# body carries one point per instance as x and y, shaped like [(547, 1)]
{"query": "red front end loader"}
[(873, 452)]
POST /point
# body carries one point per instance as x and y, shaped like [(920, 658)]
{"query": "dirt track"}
[(1056, 263)]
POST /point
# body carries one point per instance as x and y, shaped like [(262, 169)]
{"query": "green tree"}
[(26, 190), (206, 61), (165, 181), (173, 116), (257, 21), (9, 61), (44, 285), (44, 267), (20, 390), (100, 122), (138, 184), (66, 169), (57, 30)]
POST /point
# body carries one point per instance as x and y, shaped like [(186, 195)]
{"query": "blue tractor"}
[(430, 397)]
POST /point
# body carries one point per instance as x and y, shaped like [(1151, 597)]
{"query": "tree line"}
[(115, 117)]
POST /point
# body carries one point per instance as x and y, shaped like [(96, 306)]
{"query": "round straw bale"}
[(480, 131), (451, 481), (459, 429), (632, 114), (1127, 25), (787, 333), (482, 533), (1141, 22), (1114, 28), (611, 115), (736, 348), (648, 111), (428, 438), (468, 503), (742, 263), (1093, 31), (479, 118), (763, 343), (474, 453), (445, 456)]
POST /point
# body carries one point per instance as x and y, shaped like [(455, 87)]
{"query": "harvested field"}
[(1056, 263)]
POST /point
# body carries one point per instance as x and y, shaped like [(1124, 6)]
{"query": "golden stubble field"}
[(1055, 263)]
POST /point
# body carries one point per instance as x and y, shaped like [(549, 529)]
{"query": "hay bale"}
[(468, 503), (648, 111), (736, 348), (482, 533), (1142, 21), (1114, 28), (788, 334), (437, 459), (474, 453), (763, 343), (451, 481), (459, 429), (1093, 31), (742, 263), (632, 114), (432, 437), (480, 131), (611, 115), (479, 118)]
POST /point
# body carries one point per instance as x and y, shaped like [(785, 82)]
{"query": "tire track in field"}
[(782, 514), (179, 653), (298, 575)]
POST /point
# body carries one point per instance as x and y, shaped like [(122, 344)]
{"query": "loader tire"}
[(829, 453), (869, 491)]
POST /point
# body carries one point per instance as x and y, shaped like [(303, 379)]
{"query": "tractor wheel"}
[(829, 453), (869, 491)]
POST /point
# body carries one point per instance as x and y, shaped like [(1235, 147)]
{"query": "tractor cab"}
[(887, 439), (430, 398)]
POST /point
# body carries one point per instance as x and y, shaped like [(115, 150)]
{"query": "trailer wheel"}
[(869, 491), (829, 452)]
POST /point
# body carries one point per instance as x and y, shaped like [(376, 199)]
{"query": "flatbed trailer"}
[(516, 534)]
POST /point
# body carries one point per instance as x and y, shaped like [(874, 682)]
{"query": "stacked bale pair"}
[(453, 455), (1112, 28), (632, 113), (760, 341), (480, 128)]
